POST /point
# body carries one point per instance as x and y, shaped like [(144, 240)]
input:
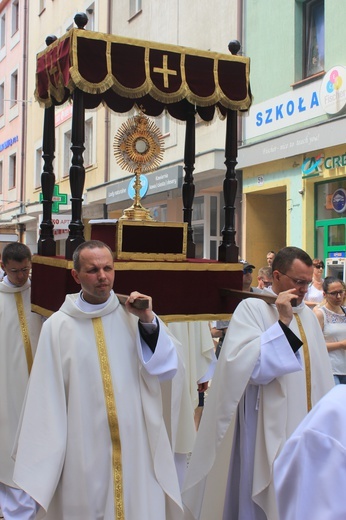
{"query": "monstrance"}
[(138, 148)]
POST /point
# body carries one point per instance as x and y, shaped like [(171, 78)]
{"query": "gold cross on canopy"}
[(165, 70)]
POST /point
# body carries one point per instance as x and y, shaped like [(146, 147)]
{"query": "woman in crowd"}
[(314, 294), (332, 318)]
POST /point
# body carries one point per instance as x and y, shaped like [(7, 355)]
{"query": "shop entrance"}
[(265, 217)]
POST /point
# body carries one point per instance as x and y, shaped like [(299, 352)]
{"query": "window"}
[(206, 224), (2, 99), (38, 167), (2, 31), (42, 6), (88, 153), (12, 171), (313, 37), (15, 16), (1, 170), (135, 7), (14, 88), (164, 125), (67, 152), (90, 26)]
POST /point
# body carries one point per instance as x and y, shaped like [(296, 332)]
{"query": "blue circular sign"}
[(144, 187), (339, 200)]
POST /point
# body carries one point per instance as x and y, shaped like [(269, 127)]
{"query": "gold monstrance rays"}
[(138, 148)]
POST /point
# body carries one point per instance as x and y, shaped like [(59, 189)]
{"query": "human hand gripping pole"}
[(140, 305)]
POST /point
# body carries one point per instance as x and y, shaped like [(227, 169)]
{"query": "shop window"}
[(330, 200), (336, 235), (313, 37), (159, 213), (12, 171)]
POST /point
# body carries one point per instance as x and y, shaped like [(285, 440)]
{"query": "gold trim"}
[(147, 265), (176, 266), (24, 329), (306, 361), (112, 418), (52, 261), (41, 310), (169, 257)]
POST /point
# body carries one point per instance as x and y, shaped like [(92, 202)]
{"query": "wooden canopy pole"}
[(46, 245), (77, 170), (77, 175), (188, 190), (228, 250)]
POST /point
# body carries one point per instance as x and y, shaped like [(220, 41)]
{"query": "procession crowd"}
[(98, 403)]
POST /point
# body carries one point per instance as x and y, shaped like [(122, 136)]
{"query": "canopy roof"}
[(122, 72)]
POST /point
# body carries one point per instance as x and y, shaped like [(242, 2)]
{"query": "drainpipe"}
[(24, 116)]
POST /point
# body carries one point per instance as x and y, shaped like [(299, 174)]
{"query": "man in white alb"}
[(19, 333), (310, 472), (97, 441), (272, 368)]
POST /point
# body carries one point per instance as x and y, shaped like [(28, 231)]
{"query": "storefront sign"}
[(61, 221), (8, 143), (339, 200), (162, 180), (313, 166), (324, 96), (285, 110), (333, 90)]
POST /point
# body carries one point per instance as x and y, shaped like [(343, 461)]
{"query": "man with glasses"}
[(264, 278), (19, 332), (247, 275), (272, 368)]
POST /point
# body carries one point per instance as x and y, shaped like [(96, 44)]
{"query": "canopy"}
[(122, 72)]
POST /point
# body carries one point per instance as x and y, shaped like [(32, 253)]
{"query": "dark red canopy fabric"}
[(122, 72)]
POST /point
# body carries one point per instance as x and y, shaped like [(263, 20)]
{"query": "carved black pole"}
[(228, 250), (77, 174), (77, 170), (46, 245), (188, 189)]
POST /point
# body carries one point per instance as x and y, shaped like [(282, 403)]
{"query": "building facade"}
[(107, 185), (15, 103), (293, 153)]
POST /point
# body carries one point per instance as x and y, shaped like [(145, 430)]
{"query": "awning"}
[(122, 72)]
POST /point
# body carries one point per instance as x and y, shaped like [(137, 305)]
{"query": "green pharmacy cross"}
[(58, 199)]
